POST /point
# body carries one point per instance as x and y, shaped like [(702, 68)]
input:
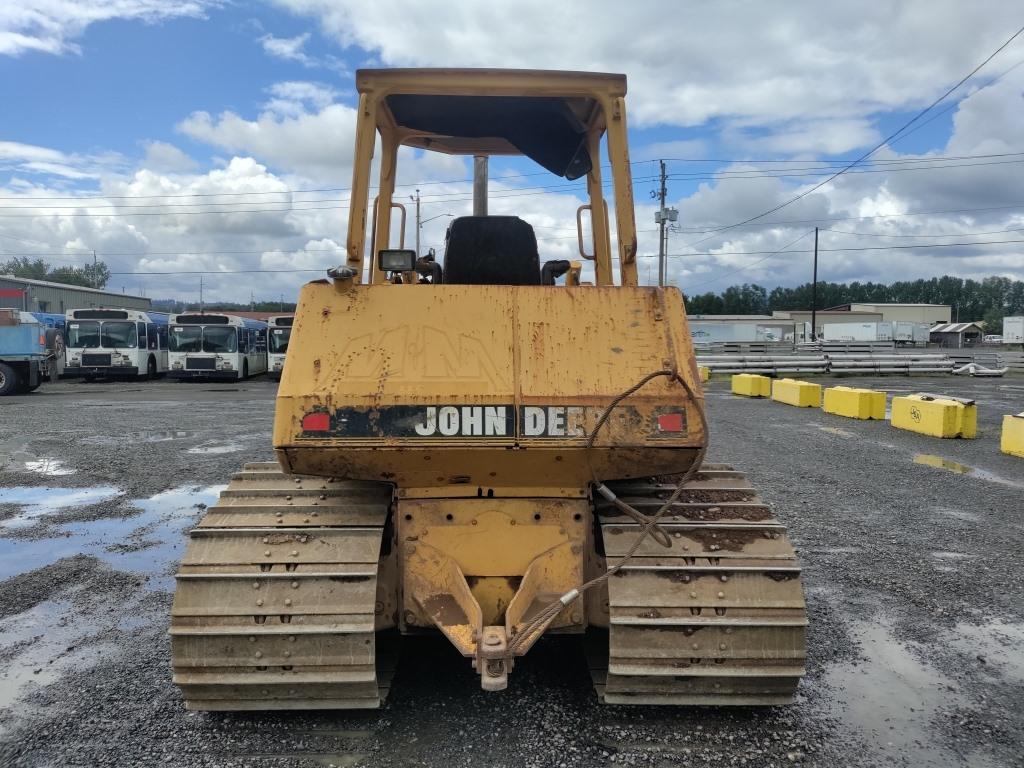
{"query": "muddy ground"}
[(911, 548)]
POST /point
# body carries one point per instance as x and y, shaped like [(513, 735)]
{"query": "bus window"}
[(152, 339), (186, 338), (84, 335), (120, 335), (279, 340), (261, 340), (162, 335), (243, 340), (223, 339)]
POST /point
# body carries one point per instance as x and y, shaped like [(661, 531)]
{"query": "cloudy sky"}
[(186, 136)]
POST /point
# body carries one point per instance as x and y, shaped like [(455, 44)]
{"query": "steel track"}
[(276, 602), (716, 619)]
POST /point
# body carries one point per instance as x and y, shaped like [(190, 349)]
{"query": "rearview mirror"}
[(396, 260)]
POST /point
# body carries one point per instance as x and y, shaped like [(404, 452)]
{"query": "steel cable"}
[(650, 523)]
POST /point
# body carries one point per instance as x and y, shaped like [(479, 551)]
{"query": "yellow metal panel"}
[(854, 403), (751, 385), (1012, 440), (705, 373), (935, 417), (802, 394), (456, 375)]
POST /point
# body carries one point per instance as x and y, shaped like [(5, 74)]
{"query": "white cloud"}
[(689, 63), (161, 156), (287, 48), (51, 26), (286, 134)]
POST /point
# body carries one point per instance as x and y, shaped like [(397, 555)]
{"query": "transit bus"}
[(279, 331), (115, 343), (213, 345)]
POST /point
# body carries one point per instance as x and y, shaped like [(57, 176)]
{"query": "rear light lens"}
[(671, 422), (316, 422)]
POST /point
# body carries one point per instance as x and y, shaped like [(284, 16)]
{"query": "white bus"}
[(279, 331), (115, 343), (212, 345)]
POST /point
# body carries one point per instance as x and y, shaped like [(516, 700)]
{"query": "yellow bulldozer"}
[(488, 446)]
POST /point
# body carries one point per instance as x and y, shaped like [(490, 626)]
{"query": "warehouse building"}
[(930, 314), (44, 296)]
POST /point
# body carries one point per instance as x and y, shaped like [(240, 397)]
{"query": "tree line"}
[(90, 276), (988, 300)]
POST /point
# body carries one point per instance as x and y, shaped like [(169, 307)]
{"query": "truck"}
[(30, 352), (1013, 330), (898, 331)]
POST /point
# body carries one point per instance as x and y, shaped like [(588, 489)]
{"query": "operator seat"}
[(491, 250)]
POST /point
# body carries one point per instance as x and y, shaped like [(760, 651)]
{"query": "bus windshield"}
[(186, 338), (120, 335), (84, 335), (220, 339), (279, 340)]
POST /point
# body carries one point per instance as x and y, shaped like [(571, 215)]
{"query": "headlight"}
[(278, 365), (226, 365), (76, 359), (176, 365)]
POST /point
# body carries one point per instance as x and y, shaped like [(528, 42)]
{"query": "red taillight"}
[(316, 422), (671, 422)]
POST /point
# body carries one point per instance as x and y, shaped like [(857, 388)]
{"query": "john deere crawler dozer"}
[(474, 447)]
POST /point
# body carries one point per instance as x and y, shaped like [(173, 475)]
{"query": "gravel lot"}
[(912, 571)]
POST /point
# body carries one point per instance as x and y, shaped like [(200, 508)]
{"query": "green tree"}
[(89, 276), (31, 269)]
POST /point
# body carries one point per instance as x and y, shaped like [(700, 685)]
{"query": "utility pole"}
[(661, 227), (417, 223), (95, 275), (814, 291), (662, 217), (200, 294)]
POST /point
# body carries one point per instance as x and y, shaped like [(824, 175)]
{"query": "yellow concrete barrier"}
[(935, 415), (1012, 440), (802, 394), (854, 403), (751, 385), (705, 373)]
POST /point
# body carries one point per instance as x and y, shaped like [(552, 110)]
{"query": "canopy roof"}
[(546, 116)]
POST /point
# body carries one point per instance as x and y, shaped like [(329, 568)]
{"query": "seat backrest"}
[(491, 250)]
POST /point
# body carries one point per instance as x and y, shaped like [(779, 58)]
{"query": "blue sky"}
[(147, 102)]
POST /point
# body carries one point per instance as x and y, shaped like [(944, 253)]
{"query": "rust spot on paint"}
[(617, 350)]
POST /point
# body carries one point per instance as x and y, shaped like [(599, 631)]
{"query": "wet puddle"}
[(891, 697), (48, 467), (44, 642), (36, 502), (146, 542), (997, 645), (207, 449), (949, 465), (151, 436)]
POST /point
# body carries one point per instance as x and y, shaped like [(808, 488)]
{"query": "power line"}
[(767, 224), (878, 146), (323, 190), (950, 234), (749, 266), (449, 198), (781, 251), (848, 250)]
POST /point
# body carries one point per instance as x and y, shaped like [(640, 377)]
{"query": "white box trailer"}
[(1013, 330), (857, 331), (907, 331)]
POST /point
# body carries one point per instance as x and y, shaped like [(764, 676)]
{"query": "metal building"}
[(957, 335), (44, 296)]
